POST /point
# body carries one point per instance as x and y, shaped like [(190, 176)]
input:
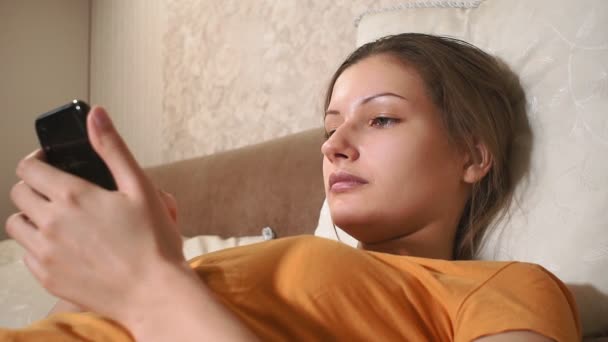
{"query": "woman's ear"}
[(478, 163)]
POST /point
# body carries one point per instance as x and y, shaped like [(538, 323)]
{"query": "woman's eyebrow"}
[(366, 100), (372, 97)]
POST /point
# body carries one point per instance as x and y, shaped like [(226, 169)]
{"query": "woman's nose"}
[(339, 146)]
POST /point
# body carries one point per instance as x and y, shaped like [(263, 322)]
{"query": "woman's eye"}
[(329, 133), (383, 121)]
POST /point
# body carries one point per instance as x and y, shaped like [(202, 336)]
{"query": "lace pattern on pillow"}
[(420, 4)]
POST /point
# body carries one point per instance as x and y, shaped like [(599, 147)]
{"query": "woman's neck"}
[(427, 242)]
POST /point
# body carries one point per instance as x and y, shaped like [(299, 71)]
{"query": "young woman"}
[(419, 135)]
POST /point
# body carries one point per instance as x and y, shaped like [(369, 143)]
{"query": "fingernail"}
[(101, 119)]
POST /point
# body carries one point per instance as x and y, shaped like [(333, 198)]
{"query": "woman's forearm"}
[(180, 307)]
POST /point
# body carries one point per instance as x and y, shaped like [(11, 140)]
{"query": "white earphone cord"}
[(336, 231)]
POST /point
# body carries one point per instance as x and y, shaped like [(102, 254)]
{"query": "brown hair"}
[(479, 99)]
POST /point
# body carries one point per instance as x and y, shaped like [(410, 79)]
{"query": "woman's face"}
[(388, 167)]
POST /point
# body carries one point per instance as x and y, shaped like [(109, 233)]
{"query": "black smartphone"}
[(64, 138)]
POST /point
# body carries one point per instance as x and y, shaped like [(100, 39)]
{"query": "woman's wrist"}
[(156, 295), (177, 305)]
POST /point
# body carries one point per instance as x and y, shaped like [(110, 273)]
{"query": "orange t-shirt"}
[(311, 289)]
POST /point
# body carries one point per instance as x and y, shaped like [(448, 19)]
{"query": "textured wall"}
[(126, 70), (192, 77), (242, 71)]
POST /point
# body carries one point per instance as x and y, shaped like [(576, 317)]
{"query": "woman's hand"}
[(117, 253), (101, 250), (65, 306)]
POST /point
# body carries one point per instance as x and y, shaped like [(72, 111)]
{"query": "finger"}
[(38, 154), (38, 175), (24, 232), (39, 272), (110, 146), (30, 202)]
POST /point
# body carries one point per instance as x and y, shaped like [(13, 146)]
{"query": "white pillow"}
[(560, 51), (22, 299), (325, 228), (204, 244)]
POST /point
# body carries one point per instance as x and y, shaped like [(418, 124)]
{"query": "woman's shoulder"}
[(523, 279), (520, 296)]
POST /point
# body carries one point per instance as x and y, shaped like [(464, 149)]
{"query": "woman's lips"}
[(344, 181)]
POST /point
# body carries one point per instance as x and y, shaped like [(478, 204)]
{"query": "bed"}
[(560, 51)]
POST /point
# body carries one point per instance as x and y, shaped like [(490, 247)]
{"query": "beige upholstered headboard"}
[(275, 184)]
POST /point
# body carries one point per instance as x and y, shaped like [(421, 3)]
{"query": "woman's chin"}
[(351, 221), (356, 219)]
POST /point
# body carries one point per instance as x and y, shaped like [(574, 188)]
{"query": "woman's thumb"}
[(113, 150), (170, 203)]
